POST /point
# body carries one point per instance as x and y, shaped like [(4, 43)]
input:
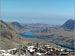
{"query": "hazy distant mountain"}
[(9, 37), (28, 27), (37, 26), (69, 25), (16, 25)]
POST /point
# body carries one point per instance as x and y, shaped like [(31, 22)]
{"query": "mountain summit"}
[(69, 25)]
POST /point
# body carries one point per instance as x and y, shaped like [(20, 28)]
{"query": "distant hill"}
[(9, 37), (37, 26), (16, 26), (69, 25)]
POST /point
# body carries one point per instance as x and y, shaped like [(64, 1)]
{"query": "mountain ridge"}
[(9, 37)]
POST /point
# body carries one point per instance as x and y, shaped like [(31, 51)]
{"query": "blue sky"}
[(46, 12)]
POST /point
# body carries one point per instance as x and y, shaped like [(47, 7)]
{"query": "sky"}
[(44, 12)]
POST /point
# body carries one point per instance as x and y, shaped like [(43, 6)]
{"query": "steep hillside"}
[(9, 37), (69, 25)]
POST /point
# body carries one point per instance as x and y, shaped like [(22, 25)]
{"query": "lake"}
[(30, 34)]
